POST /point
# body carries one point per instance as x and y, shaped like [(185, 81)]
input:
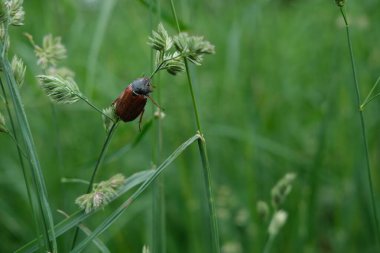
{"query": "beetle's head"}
[(142, 86)]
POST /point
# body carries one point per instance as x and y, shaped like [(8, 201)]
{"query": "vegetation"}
[(284, 93)]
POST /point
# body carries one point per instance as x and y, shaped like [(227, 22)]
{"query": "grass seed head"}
[(60, 90), (51, 51), (281, 190), (278, 221), (262, 209), (340, 3), (101, 194), (173, 63), (160, 40), (15, 11), (18, 69), (109, 117), (193, 47)]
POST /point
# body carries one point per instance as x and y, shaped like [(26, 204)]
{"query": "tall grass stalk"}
[(96, 168), (20, 154), (36, 171), (203, 154), (362, 124), (158, 197)]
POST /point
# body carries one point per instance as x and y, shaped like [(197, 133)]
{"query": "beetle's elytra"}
[(131, 102)]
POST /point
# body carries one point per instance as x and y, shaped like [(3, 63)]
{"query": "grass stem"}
[(204, 156), (94, 106), (96, 168), (20, 154), (362, 123), (158, 196), (268, 244)]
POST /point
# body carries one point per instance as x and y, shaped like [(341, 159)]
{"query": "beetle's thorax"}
[(141, 86)]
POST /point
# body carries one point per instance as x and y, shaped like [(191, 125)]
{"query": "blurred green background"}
[(277, 97)]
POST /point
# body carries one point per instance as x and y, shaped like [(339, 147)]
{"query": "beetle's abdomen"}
[(128, 106)]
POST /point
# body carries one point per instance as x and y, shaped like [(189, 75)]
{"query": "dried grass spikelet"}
[(18, 69), (340, 3), (173, 63), (15, 12), (109, 117), (278, 221), (193, 47), (160, 40), (282, 189), (60, 90), (262, 209), (51, 51), (101, 194)]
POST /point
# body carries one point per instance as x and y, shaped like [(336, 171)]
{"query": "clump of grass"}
[(59, 85), (12, 14)]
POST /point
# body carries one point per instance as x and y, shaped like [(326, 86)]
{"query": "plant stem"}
[(98, 163), (20, 154), (159, 67), (362, 123), (36, 171), (94, 106), (158, 196), (268, 244), (204, 156)]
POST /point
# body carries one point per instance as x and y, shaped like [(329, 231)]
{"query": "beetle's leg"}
[(154, 102), (140, 120)]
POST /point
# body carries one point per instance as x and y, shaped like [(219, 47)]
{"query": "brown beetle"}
[(131, 102)]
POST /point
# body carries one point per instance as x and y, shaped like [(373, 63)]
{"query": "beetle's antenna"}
[(154, 102)]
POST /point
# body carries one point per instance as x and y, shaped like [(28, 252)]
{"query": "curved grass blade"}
[(118, 212), (77, 217), (38, 179), (97, 242)]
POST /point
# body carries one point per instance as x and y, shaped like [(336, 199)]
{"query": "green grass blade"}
[(20, 153), (118, 212), (79, 216), (27, 138), (97, 242)]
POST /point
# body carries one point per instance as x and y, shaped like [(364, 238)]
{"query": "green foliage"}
[(275, 98)]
